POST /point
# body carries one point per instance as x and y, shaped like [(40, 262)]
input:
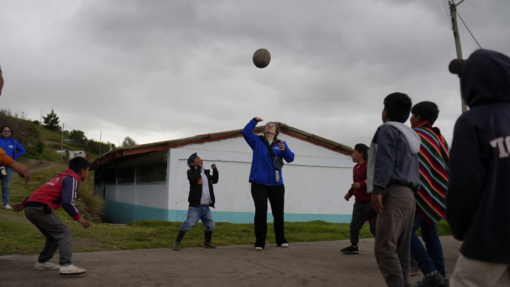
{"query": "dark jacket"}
[(393, 158), (195, 182), (262, 169), (478, 198)]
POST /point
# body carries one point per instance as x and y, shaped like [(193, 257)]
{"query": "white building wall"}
[(315, 182)]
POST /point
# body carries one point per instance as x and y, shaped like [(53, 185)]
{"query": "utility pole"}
[(456, 36), (100, 134), (40, 119), (62, 146)]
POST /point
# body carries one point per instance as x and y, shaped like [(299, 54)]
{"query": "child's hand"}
[(348, 196), (377, 203), (84, 222), (282, 146), (258, 119), (17, 207), (213, 166), (355, 185)]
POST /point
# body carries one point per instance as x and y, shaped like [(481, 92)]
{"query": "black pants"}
[(359, 215), (276, 195)]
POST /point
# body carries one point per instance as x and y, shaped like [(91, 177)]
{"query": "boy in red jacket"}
[(363, 199), (61, 191)]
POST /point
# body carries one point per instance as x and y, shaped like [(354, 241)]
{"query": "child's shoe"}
[(46, 266), (8, 207), (285, 245), (71, 270), (350, 250), (258, 248), (432, 280)]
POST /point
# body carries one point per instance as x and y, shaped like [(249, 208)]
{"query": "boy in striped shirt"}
[(430, 199)]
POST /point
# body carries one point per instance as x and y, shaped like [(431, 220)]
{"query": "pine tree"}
[(51, 121)]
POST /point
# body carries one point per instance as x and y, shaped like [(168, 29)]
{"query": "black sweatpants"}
[(276, 196)]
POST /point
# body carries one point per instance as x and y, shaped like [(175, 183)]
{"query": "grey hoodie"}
[(393, 158)]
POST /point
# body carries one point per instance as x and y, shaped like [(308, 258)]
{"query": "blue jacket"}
[(478, 197), (262, 170), (11, 147)]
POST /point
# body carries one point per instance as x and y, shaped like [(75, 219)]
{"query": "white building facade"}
[(149, 182)]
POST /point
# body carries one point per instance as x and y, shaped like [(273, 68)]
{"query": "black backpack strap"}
[(268, 145)]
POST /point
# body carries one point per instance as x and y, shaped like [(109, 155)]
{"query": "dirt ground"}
[(302, 264)]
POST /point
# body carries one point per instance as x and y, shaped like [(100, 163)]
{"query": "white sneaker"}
[(259, 248), (46, 266), (71, 270), (7, 207), (284, 245)]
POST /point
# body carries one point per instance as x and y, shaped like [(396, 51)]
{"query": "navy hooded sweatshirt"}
[(478, 197)]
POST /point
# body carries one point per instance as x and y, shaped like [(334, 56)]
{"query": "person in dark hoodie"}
[(359, 191), (201, 197), (478, 198), (393, 178)]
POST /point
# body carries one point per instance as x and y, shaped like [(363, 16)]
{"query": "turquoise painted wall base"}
[(119, 212)]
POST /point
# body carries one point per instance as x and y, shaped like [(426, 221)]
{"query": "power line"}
[(469, 30), (446, 9)]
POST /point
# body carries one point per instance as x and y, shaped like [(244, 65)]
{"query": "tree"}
[(51, 121), (78, 136), (128, 142)]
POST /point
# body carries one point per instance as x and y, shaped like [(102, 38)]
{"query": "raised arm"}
[(194, 175), (248, 135)]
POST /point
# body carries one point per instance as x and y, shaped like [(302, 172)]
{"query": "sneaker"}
[(258, 248), (71, 270), (435, 280), (350, 250), (46, 266), (284, 245), (7, 207)]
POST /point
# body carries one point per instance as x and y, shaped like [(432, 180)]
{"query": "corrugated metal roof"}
[(121, 154)]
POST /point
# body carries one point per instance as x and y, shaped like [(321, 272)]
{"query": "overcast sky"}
[(161, 70)]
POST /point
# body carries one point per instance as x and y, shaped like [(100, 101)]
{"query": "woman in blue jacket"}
[(13, 149), (266, 181)]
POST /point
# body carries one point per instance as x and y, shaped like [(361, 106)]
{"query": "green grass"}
[(52, 141), (19, 236)]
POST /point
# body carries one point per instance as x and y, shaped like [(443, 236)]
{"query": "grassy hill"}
[(52, 141)]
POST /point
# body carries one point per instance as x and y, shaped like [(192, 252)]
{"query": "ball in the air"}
[(261, 58)]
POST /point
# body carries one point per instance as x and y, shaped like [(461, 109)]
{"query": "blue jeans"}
[(430, 259), (6, 181), (198, 213)]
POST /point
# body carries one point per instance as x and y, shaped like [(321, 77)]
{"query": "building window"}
[(126, 175), (110, 176), (153, 171)]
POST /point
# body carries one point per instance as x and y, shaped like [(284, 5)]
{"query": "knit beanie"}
[(191, 158)]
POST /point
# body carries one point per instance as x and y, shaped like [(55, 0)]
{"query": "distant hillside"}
[(41, 143), (52, 142)]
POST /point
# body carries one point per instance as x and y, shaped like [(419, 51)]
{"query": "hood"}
[(486, 78), (412, 138), (69, 172)]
